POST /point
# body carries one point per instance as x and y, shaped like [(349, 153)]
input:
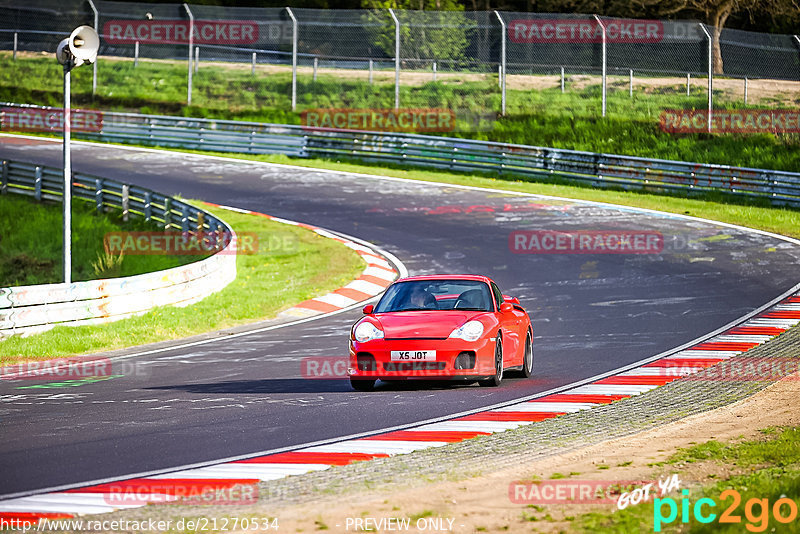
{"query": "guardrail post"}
[(191, 45), (126, 199), (185, 219), (562, 80), (4, 177), (167, 213), (196, 59), (294, 58), (396, 59), (135, 54), (370, 72), (98, 194), (502, 64), (148, 206), (688, 82), (253, 69), (37, 184), (434, 71), (316, 64), (14, 56), (96, 28), (603, 27), (710, 73)]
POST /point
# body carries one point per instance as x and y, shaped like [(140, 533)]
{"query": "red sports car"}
[(441, 327)]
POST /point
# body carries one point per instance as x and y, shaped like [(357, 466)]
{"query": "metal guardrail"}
[(446, 153), (31, 309)]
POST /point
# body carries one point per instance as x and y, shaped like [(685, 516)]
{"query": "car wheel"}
[(498, 366), (527, 363), (361, 384)]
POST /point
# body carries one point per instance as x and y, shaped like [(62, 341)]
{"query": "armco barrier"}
[(447, 153), (31, 309)]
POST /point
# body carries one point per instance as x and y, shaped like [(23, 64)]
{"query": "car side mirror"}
[(506, 307), (368, 309)]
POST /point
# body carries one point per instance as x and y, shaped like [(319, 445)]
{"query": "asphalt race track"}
[(592, 313)]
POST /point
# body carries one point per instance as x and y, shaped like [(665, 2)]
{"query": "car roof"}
[(473, 277)]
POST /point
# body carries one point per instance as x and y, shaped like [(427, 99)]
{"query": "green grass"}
[(292, 265), (536, 117), (31, 247), (772, 472)]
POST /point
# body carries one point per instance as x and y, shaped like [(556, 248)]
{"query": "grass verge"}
[(540, 115), (31, 245), (768, 472), (292, 265)]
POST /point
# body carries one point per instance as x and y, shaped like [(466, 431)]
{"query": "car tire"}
[(526, 369), (495, 381), (361, 384)]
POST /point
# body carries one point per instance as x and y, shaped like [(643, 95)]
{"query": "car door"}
[(510, 327)]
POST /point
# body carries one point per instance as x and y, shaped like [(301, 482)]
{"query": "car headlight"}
[(367, 331), (469, 331)]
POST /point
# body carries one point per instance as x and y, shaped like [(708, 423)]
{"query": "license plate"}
[(413, 355)]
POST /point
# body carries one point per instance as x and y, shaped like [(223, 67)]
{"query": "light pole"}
[(78, 49)]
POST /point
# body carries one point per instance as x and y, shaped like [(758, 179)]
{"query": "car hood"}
[(420, 324)]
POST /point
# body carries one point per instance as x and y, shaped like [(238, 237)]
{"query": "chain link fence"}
[(362, 69)]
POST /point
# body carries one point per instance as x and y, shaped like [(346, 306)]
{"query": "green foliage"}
[(31, 244), (429, 29)]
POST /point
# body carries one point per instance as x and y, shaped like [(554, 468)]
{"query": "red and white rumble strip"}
[(162, 488)]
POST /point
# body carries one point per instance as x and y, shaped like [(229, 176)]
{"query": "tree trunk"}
[(718, 20)]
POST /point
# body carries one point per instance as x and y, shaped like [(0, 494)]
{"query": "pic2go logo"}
[(756, 511)]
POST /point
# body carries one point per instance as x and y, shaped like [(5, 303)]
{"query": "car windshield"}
[(418, 295)]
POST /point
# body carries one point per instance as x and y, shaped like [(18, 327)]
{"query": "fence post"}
[(196, 59), (396, 59), (37, 183), (136, 54), (745, 90), (434, 71), (4, 177), (126, 200), (253, 70), (294, 58), (14, 56), (191, 44), (710, 73), (94, 64), (688, 82), (370, 72), (502, 64), (631, 84), (316, 64), (98, 195), (603, 27)]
